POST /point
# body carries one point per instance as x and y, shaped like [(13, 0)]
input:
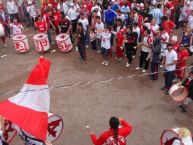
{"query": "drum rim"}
[(62, 126), (171, 129), (25, 37)]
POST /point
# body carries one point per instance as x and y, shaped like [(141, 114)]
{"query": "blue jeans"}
[(49, 36)]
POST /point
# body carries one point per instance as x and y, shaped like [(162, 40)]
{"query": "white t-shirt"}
[(164, 38), (12, 7), (153, 28), (72, 14), (106, 40), (99, 27), (17, 28), (32, 11), (137, 30), (84, 23), (147, 40), (170, 58)]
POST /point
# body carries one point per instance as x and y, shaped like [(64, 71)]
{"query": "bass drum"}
[(2, 31), (178, 92), (176, 136), (9, 131), (55, 128)]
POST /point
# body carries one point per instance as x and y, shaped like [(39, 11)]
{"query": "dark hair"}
[(114, 124), (159, 6), (169, 45), (62, 14), (80, 24), (98, 17), (161, 29), (148, 31)]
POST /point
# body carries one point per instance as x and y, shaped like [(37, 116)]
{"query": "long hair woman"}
[(81, 41), (116, 135)]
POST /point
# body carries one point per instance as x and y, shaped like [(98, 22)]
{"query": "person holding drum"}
[(188, 84), (169, 61), (16, 27), (116, 135)]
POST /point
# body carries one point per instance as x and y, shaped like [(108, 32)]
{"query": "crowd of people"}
[(126, 27)]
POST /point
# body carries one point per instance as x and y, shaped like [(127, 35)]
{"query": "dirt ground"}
[(138, 100)]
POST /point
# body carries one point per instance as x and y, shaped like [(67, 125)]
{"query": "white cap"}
[(174, 38), (1, 133), (71, 4)]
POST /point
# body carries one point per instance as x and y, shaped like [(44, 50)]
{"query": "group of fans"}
[(109, 26), (135, 25)]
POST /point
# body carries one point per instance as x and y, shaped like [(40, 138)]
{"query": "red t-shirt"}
[(182, 56), (108, 136), (56, 17), (41, 26), (120, 39), (168, 26), (176, 47)]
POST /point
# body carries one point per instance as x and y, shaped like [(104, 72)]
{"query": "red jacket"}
[(108, 136)]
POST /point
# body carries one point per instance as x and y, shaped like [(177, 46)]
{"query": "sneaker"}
[(127, 64), (163, 88), (76, 48), (137, 68), (133, 56), (119, 59), (5, 45), (99, 51), (144, 71), (103, 62), (87, 46), (106, 63), (161, 66)]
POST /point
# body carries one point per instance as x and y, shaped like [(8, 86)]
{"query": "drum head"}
[(168, 137), (180, 94), (55, 127)]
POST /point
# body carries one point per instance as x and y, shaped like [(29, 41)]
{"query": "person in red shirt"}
[(115, 135), (168, 25), (119, 44), (56, 20), (41, 25), (182, 58)]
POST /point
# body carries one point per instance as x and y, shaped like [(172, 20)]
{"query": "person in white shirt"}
[(65, 7), (136, 29), (95, 6), (190, 19), (85, 25), (106, 45), (12, 9), (146, 49), (170, 61), (16, 27), (164, 40), (157, 13), (153, 27), (99, 26), (72, 14), (32, 10)]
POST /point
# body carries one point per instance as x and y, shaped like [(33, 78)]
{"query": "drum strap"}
[(26, 137)]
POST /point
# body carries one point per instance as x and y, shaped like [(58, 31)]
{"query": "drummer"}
[(188, 83)]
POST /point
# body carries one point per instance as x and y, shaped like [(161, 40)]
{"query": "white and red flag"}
[(30, 107)]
